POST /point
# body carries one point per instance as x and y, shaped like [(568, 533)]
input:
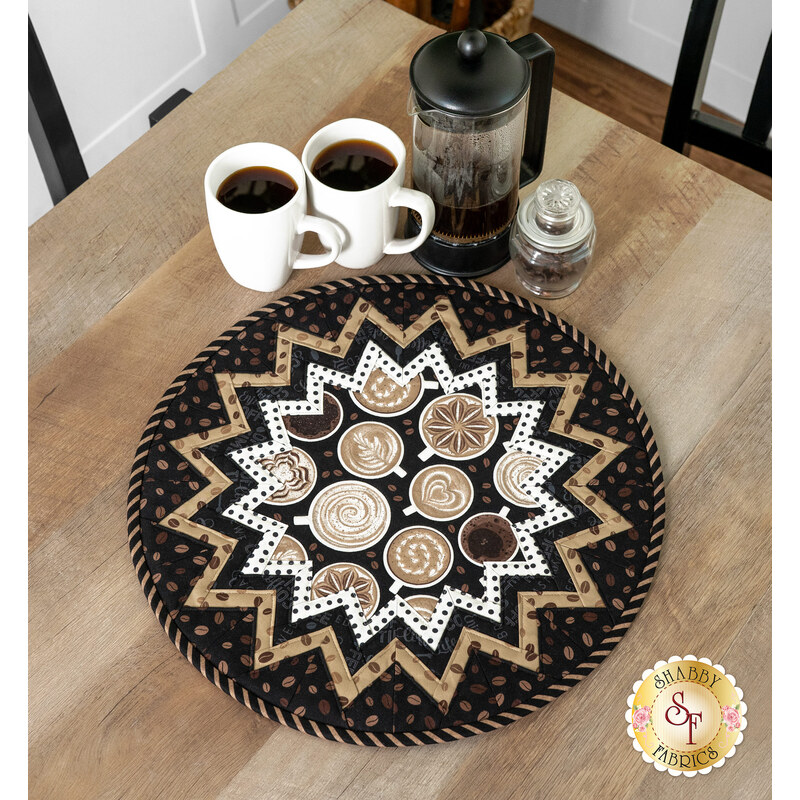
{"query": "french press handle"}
[(542, 58)]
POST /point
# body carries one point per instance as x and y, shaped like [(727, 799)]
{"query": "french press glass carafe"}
[(480, 105)]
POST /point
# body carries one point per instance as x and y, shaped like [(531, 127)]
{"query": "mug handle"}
[(423, 205), (330, 236)]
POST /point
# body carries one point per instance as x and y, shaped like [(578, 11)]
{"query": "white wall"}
[(647, 34), (115, 61), (39, 201)]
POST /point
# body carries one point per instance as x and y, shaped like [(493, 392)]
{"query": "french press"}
[(480, 105)]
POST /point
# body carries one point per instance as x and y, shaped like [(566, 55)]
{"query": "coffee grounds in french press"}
[(552, 239)]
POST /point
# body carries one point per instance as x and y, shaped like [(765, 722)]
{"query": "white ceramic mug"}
[(368, 218), (260, 250)]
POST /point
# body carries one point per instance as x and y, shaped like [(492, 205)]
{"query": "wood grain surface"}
[(126, 287)]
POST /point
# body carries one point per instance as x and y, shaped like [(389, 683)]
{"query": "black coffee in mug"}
[(256, 190), (353, 165)]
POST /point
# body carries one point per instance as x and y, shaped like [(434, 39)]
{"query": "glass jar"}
[(552, 239)]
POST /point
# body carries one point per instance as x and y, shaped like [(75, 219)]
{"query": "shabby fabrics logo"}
[(686, 716)]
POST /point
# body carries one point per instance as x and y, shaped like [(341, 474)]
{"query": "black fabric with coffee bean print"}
[(280, 535)]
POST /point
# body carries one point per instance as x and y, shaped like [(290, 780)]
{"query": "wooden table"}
[(678, 298)]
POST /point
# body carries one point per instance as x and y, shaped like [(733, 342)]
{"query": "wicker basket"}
[(512, 23), (515, 22)]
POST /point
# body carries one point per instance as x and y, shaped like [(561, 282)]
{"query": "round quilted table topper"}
[(397, 510)]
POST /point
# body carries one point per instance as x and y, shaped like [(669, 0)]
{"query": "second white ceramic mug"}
[(367, 219), (260, 250)]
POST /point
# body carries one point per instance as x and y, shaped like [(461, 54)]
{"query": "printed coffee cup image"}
[(342, 576), (289, 549), (295, 470), (371, 450), (440, 492), (488, 537), (423, 604), (383, 395), (418, 557), (313, 427), (510, 472), (348, 515), (456, 427)]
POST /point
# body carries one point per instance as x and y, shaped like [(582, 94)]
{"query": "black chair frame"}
[(686, 124), (49, 128)]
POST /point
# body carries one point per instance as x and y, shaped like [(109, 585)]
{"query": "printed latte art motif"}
[(384, 396), (316, 426), (295, 470), (289, 549), (340, 577), (512, 470), (349, 515), (418, 556), (423, 604), (457, 426), (370, 449), (442, 492)]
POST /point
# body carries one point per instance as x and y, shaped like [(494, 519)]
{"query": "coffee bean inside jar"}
[(552, 239)]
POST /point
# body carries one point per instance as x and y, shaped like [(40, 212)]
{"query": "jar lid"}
[(555, 217), (469, 73)]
